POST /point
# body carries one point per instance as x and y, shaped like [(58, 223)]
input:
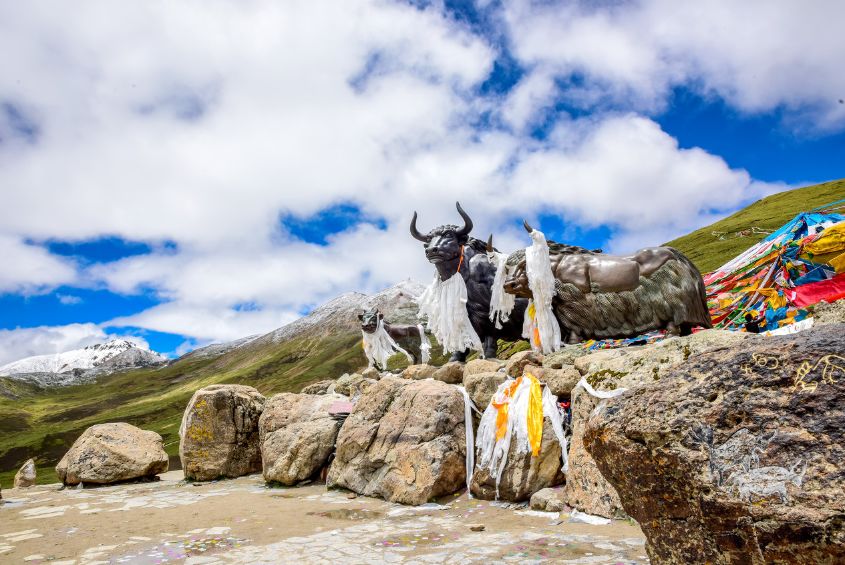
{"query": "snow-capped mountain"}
[(115, 354)]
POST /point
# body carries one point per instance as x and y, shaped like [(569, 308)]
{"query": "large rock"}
[(523, 474), (630, 367), (297, 436), (548, 500), (518, 361), (829, 313), (419, 372), (482, 366), (25, 477), (349, 384), (565, 356), (371, 373), (219, 433), (482, 386), (404, 442), (112, 453), (451, 373), (735, 456)]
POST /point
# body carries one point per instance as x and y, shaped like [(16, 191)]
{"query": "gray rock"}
[(320, 387), (219, 433), (548, 500), (829, 313), (560, 381), (371, 373), (482, 386), (419, 372), (564, 357), (111, 453), (450, 373), (297, 436), (518, 361), (348, 384), (403, 442), (735, 455), (25, 476), (482, 366)]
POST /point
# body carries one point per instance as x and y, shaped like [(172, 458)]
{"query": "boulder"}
[(297, 436), (735, 456), (25, 476), (403, 442), (829, 313), (560, 381), (348, 384), (112, 453), (320, 387), (371, 373), (629, 367), (419, 372), (219, 433), (523, 474), (518, 361), (548, 500), (482, 386), (482, 366), (451, 373), (565, 356)]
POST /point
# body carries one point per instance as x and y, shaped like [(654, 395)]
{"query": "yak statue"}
[(409, 338), (600, 296), (452, 250)]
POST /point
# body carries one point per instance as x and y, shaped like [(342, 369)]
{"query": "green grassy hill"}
[(735, 233)]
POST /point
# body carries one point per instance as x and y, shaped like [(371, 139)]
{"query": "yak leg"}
[(459, 356), (490, 347), (672, 329), (574, 338), (686, 329)]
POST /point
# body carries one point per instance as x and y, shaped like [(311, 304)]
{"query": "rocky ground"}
[(244, 521)]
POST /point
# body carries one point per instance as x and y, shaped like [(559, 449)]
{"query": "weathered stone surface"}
[(219, 433), (564, 357), (586, 489), (371, 373), (548, 500), (25, 477), (829, 313), (403, 442), (111, 453), (348, 384), (450, 373), (560, 381), (320, 387), (419, 372), (482, 386), (297, 436), (518, 361), (523, 474), (736, 455), (482, 366)]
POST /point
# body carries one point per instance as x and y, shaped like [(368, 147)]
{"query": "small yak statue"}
[(382, 340)]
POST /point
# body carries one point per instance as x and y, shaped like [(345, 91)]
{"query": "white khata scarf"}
[(444, 303), (425, 346), (379, 346), (501, 303), (541, 328)]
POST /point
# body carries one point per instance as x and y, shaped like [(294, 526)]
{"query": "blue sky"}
[(164, 181)]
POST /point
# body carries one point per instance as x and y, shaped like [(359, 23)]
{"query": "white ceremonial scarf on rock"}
[(541, 281), (444, 303), (425, 346), (379, 346), (501, 303)]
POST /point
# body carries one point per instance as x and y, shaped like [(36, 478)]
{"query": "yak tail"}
[(698, 313)]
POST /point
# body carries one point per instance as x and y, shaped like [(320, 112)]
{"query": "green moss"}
[(709, 252), (606, 376)]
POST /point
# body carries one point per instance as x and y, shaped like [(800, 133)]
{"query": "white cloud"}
[(19, 343), (756, 55), (203, 122), (29, 268)]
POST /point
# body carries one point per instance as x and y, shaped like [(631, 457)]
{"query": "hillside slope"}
[(736, 233), (43, 422)]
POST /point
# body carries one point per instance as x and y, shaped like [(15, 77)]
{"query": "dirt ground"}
[(244, 521)]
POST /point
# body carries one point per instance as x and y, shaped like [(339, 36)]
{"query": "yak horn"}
[(415, 232), (467, 221), (490, 248), (528, 228)]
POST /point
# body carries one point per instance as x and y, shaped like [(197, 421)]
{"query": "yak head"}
[(443, 244), (370, 319), (516, 276)]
